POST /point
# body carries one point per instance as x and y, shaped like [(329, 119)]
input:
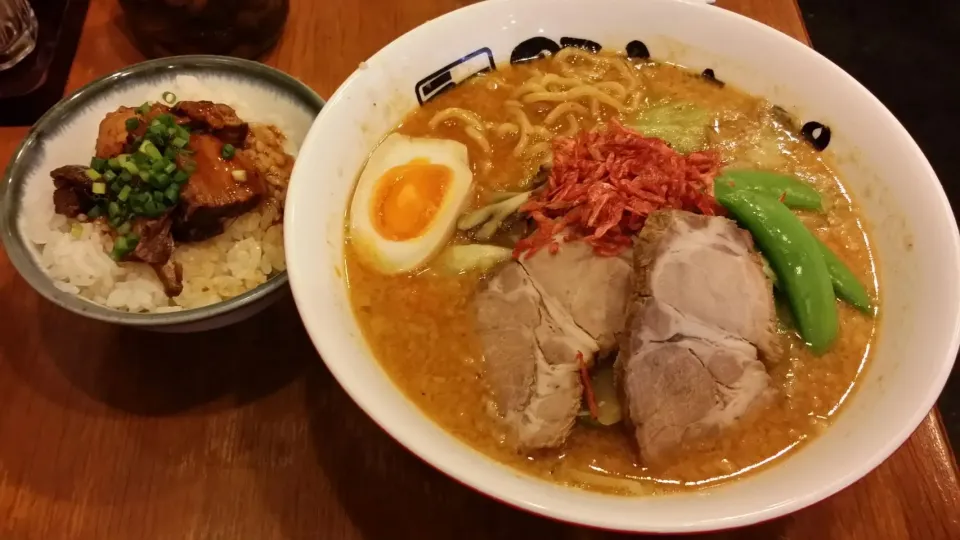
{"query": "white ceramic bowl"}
[(913, 231)]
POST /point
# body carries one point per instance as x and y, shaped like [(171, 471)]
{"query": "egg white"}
[(395, 257)]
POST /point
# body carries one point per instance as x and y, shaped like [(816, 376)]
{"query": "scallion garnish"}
[(98, 164), (150, 150), (228, 151), (239, 175), (148, 181), (172, 193)]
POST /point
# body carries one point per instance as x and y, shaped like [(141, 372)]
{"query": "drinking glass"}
[(18, 31)]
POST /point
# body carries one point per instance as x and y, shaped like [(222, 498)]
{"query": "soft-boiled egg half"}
[(407, 201)]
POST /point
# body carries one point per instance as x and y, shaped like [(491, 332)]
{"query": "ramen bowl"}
[(913, 231)]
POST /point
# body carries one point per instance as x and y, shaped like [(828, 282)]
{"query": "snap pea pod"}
[(796, 257), (789, 190), (845, 284)]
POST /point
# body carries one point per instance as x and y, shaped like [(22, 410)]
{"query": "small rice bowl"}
[(76, 256)]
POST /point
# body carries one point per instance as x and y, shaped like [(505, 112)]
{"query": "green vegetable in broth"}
[(845, 284), (491, 216), (797, 259), (605, 394), (464, 258), (682, 125), (790, 190)]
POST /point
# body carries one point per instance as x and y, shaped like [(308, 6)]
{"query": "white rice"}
[(248, 252)]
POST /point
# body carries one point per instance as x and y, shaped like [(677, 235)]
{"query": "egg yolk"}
[(407, 198)]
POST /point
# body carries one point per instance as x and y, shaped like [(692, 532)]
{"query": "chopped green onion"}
[(150, 207), (124, 193), (99, 188), (131, 167), (158, 166), (183, 132), (128, 244), (161, 180), (144, 109), (239, 175), (173, 193), (124, 228), (170, 168), (141, 160), (158, 197), (113, 209), (132, 123), (170, 98), (94, 212), (158, 130), (93, 174), (114, 164), (228, 151), (179, 142), (110, 176), (116, 187), (149, 149), (125, 177), (76, 230), (167, 120), (145, 176), (181, 177), (98, 164)]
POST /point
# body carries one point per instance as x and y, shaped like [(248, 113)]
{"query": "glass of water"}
[(18, 31)]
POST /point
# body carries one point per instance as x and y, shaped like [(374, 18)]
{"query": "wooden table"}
[(110, 433)]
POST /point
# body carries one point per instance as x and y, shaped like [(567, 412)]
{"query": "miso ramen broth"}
[(421, 324)]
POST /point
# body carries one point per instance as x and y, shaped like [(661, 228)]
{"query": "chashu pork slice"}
[(706, 267), (681, 379), (700, 322), (594, 290), (532, 352)]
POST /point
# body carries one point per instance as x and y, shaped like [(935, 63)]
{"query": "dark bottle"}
[(244, 28)]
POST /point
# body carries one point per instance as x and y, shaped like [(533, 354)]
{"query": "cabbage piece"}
[(683, 125), (605, 395), (492, 216), (468, 257)]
